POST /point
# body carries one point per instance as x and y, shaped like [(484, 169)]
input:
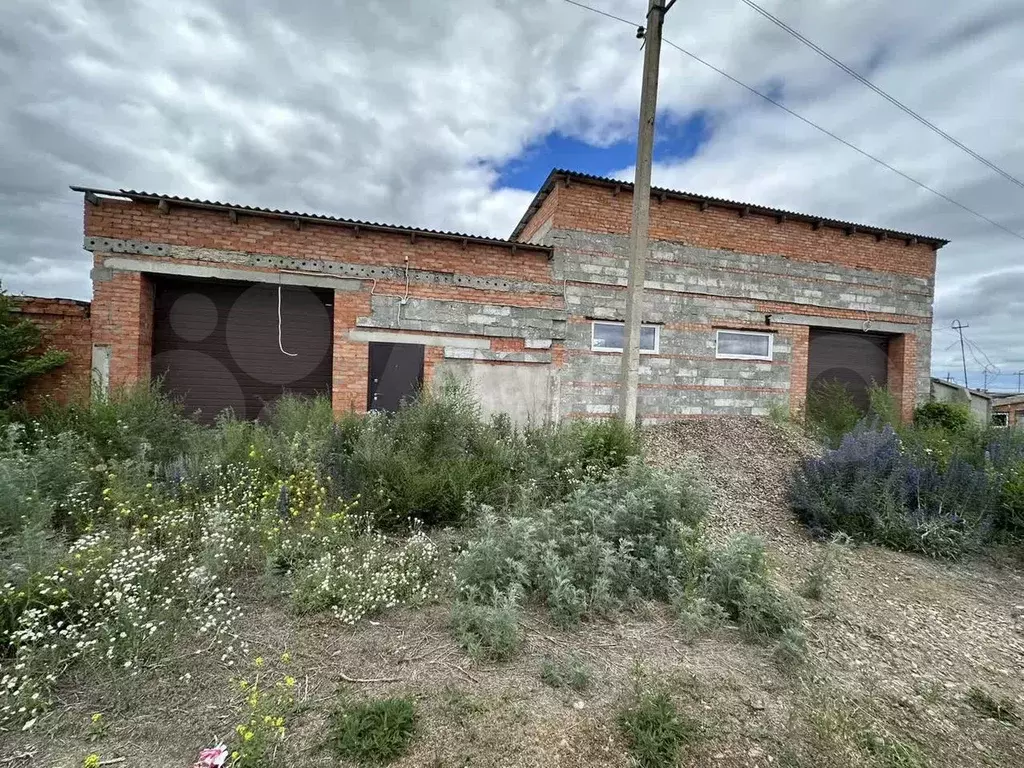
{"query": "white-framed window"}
[(743, 345), (608, 336)]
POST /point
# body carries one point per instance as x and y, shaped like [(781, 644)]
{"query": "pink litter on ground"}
[(212, 758)]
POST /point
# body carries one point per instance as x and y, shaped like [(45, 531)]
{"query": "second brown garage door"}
[(856, 360), (220, 345)]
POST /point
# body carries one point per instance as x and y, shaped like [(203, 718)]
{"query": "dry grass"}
[(896, 647)]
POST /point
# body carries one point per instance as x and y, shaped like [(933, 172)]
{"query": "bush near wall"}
[(942, 486)]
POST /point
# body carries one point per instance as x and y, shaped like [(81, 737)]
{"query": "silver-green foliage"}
[(633, 534), (489, 629), (738, 580)]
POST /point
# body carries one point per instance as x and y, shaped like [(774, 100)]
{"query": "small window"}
[(610, 337), (743, 345), (1000, 420)]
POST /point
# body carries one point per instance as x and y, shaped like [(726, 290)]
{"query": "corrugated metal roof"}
[(1008, 400), (191, 202), (558, 174)]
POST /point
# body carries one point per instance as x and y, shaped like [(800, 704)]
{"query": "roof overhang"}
[(165, 202), (570, 177)]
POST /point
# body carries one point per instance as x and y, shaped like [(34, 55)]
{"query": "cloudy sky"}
[(449, 113)]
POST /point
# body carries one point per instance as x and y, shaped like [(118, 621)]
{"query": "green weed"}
[(791, 649), (489, 630), (632, 534), (568, 671), (655, 730), (890, 752), (696, 615), (737, 579), (372, 732), (823, 568)]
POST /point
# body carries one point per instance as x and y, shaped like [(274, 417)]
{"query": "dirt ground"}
[(895, 646)]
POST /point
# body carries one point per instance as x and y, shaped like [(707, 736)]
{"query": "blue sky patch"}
[(676, 139)]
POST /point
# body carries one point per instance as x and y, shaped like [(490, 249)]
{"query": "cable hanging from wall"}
[(279, 344)]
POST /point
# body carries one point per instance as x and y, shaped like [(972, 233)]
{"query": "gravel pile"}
[(916, 635), (746, 463)]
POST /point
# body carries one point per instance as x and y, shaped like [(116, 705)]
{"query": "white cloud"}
[(401, 111)]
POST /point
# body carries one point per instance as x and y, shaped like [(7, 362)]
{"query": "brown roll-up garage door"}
[(856, 360), (219, 345)]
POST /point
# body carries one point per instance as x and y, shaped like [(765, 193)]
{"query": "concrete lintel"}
[(229, 273), (309, 265), (360, 334), (489, 356), (878, 326)]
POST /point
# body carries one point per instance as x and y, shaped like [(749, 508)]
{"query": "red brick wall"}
[(598, 209), (122, 307), (432, 358), (1014, 413), (351, 358), (902, 364), (122, 310), (122, 318), (799, 337), (65, 326), (198, 228), (543, 214)]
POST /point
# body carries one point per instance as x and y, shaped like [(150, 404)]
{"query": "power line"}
[(977, 350), (843, 141), (602, 13), (814, 125), (891, 99)]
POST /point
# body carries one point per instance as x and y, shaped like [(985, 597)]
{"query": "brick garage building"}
[(744, 305)]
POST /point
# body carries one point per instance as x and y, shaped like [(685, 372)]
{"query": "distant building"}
[(1008, 411), (949, 392)]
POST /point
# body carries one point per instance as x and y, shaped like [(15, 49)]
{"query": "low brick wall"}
[(65, 325)]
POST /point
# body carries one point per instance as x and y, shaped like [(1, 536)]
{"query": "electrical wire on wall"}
[(405, 298), (279, 344)]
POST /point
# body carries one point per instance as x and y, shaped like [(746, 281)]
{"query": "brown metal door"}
[(396, 374), (219, 345), (856, 360)]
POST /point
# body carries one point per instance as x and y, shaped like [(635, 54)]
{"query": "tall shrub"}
[(952, 417), (428, 461), (140, 421)]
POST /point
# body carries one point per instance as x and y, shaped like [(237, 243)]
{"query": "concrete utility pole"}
[(641, 210), (958, 326)]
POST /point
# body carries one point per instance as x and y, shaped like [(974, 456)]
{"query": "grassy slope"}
[(896, 645)]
